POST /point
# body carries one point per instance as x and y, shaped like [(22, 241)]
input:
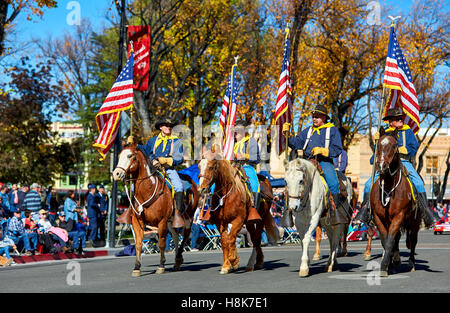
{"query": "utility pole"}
[(111, 242)]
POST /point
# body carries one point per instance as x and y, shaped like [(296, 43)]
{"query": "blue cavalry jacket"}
[(248, 146), (317, 139), (164, 146), (405, 138)]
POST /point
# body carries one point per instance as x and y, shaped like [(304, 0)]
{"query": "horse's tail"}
[(269, 223), (271, 229)]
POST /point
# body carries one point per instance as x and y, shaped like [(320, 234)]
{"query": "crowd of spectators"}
[(34, 222), (442, 210)]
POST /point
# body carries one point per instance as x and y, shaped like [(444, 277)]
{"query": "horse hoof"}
[(259, 266), (224, 271), (384, 274), (316, 257), (136, 273), (249, 269), (367, 257), (235, 266), (160, 270), (303, 273)]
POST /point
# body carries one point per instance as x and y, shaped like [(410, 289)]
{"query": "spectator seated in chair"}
[(5, 245), (73, 233), (18, 233)]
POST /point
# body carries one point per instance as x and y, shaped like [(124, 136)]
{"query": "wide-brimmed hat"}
[(392, 113), (163, 121), (320, 109), (241, 123)]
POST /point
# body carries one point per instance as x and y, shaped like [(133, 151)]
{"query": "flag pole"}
[(131, 108), (380, 114), (111, 241), (286, 134)]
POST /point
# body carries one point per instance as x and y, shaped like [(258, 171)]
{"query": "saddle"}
[(337, 213)]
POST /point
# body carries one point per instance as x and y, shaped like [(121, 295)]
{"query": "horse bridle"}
[(305, 192), (384, 194)]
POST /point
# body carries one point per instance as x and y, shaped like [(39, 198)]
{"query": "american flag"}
[(397, 77), (228, 115), (120, 98), (283, 107)]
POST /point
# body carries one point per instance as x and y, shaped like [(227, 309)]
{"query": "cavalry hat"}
[(164, 121), (241, 123), (321, 110), (394, 112)]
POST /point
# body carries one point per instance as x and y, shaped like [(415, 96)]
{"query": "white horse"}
[(308, 197)]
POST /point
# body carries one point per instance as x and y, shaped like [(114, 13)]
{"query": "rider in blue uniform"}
[(322, 140), (246, 152), (167, 150), (407, 147)]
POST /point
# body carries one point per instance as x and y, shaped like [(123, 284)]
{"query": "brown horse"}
[(153, 205), (230, 205), (392, 204)]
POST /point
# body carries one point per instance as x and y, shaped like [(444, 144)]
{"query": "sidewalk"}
[(89, 252)]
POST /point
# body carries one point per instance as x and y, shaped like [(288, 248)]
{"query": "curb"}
[(59, 256)]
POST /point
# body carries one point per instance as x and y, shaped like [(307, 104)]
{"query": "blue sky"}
[(54, 20)]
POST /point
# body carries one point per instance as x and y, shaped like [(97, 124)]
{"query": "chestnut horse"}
[(153, 205), (230, 204), (391, 200)]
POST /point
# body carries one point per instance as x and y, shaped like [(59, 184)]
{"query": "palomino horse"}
[(153, 205), (308, 199), (230, 205), (392, 204)]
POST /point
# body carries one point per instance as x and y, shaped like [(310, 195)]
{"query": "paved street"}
[(200, 273)]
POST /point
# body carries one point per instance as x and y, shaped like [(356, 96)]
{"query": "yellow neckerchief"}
[(239, 146), (317, 129), (164, 140), (404, 127)]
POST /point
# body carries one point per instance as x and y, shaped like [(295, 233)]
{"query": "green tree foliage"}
[(29, 150)]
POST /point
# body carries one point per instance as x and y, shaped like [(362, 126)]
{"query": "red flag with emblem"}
[(140, 35)]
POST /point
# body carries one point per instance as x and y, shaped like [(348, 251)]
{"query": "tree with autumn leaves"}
[(337, 60)]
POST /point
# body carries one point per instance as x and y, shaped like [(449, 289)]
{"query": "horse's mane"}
[(228, 174)]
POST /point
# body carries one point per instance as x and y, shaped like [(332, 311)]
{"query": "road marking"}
[(363, 276)]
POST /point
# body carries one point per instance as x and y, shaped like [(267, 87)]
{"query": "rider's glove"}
[(323, 151), (403, 150), (166, 161)]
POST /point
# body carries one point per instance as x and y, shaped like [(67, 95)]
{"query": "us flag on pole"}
[(397, 77), (120, 98), (283, 107), (228, 115)]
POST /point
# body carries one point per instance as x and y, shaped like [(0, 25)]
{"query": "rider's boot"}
[(286, 219), (364, 215), (429, 216), (338, 215), (253, 214), (178, 210)]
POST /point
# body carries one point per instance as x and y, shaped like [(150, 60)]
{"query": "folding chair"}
[(123, 229), (292, 235), (212, 234)]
